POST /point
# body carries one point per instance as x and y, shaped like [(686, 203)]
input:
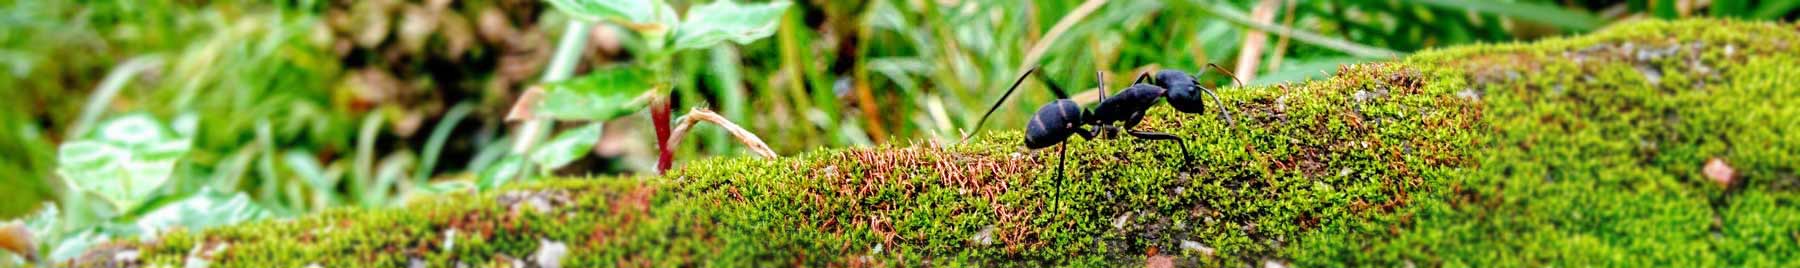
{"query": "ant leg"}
[(1085, 134), (1141, 77), (1152, 135), (1098, 132), (990, 111), (1101, 78), (1063, 149), (1054, 88)]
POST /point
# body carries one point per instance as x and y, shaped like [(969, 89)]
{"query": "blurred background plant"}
[(274, 109)]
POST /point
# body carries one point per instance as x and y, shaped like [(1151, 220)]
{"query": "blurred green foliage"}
[(304, 105)]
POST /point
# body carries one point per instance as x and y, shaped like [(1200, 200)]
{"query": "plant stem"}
[(562, 65), (108, 89), (1251, 52), (568, 52), (657, 61)]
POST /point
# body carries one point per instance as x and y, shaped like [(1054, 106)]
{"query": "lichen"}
[(1584, 151)]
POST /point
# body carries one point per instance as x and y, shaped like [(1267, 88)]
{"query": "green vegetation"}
[(1585, 151)]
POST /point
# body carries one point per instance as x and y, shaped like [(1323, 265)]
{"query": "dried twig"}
[(698, 115), (1251, 52), (1281, 42)]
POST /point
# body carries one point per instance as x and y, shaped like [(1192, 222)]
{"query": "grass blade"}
[(1774, 10), (435, 144), (1567, 19), (1227, 12)]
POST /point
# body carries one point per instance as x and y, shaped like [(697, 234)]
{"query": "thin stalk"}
[(1250, 54), (729, 78), (435, 144), (794, 69), (108, 89), (1281, 44), (364, 160), (1062, 25), (865, 97), (568, 52), (562, 65)]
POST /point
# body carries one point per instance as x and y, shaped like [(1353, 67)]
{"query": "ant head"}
[(1173, 79), (1184, 93)]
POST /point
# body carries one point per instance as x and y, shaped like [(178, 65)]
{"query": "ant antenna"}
[(1215, 66), (990, 111), (1224, 111), (1054, 88)]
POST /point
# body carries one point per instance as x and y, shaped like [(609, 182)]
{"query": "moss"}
[(1572, 152)]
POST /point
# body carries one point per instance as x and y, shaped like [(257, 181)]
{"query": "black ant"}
[(1056, 121)]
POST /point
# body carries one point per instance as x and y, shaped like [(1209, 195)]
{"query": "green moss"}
[(1574, 152)]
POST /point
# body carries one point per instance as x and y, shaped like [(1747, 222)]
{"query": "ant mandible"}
[(1054, 122)]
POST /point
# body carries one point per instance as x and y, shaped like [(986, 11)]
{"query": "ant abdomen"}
[(1052, 124)]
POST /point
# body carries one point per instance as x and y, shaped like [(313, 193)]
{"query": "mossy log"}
[(1585, 151)]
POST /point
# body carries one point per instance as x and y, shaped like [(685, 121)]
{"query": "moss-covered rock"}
[(1586, 151)]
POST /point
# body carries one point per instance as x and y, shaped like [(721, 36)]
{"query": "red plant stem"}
[(659, 112)]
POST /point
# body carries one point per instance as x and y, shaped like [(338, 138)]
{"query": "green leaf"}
[(639, 15), (124, 161), (566, 147), (436, 188), (598, 96), (499, 173), (708, 25), (82, 210), (320, 180), (1774, 10), (62, 235), (442, 187), (45, 221), (208, 208)]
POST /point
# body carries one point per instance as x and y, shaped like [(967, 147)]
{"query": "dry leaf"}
[(15, 238), (697, 115), (522, 109)]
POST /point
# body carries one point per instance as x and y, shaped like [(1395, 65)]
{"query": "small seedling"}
[(616, 91)]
